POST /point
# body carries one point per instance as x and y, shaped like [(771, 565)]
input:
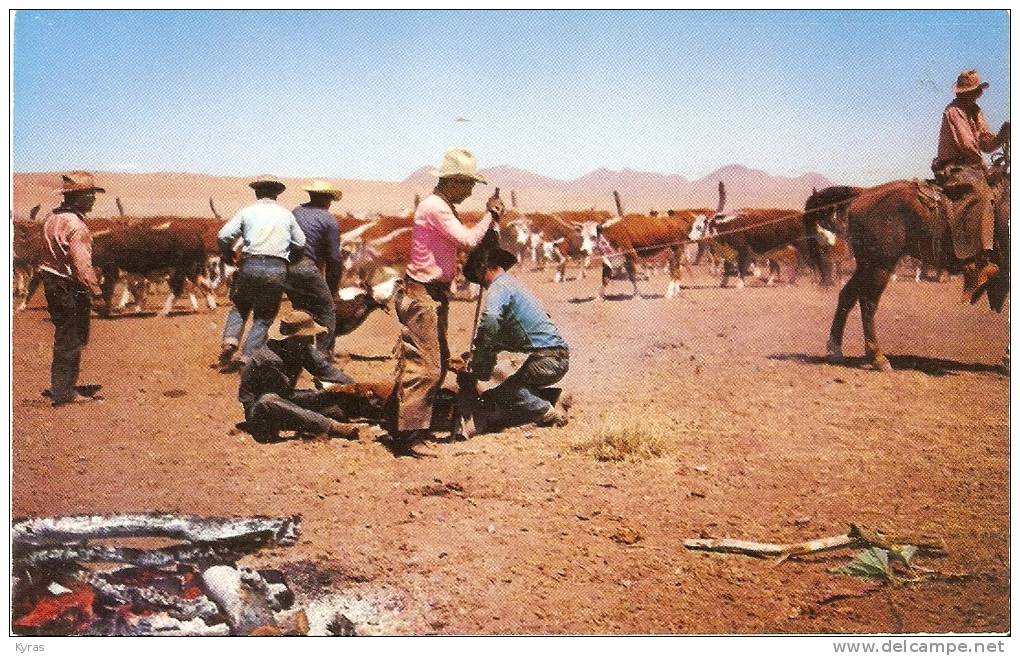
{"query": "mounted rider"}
[(960, 169)]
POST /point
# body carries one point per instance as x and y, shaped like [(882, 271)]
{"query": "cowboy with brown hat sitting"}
[(70, 283), (960, 169), (267, 390)]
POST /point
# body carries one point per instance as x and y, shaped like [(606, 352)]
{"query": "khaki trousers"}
[(972, 220), (422, 354)]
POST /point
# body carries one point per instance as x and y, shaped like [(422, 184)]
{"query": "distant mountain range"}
[(644, 190), (188, 194)]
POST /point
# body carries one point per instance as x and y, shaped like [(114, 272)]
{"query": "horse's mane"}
[(831, 196)]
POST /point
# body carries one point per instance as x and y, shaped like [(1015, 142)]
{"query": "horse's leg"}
[(847, 300), (872, 287)]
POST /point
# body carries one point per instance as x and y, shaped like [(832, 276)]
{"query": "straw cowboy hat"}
[(968, 81), (481, 259), (458, 163), (321, 187), (78, 181), (267, 181), (295, 324)]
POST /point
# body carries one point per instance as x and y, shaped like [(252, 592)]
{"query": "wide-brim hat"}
[(78, 182), (267, 182), (324, 188), (295, 324), (483, 258), (968, 81), (458, 163)]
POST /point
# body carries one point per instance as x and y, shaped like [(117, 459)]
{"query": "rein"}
[(723, 233)]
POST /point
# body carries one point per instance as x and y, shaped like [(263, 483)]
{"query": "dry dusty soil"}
[(737, 429)]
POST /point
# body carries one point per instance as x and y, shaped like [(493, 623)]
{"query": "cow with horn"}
[(624, 240)]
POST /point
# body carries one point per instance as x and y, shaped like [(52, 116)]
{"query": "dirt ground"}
[(527, 531)]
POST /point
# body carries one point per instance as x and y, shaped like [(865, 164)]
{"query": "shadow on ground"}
[(932, 366)]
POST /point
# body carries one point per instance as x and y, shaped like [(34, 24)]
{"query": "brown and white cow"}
[(757, 232), (624, 241), (153, 249), (561, 242)]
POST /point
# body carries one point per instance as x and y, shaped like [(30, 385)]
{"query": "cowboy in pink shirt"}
[(422, 302)]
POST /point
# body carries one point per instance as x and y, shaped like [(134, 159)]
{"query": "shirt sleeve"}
[(486, 342), (988, 141), (230, 232), (297, 235), (80, 249), (450, 225), (955, 122), (332, 256)]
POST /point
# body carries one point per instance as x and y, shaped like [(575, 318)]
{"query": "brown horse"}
[(885, 223)]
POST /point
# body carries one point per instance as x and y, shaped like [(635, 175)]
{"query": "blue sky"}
[(856, 96)]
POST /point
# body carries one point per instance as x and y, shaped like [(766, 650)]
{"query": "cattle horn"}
[(722, 198), (33, 212), (619, 205), (212, 206), (417, 199), (513, 199), (120, 207)]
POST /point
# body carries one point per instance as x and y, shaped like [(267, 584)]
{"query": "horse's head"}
[(828, 209)]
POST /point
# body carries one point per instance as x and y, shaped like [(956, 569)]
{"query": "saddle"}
[(937, 229)]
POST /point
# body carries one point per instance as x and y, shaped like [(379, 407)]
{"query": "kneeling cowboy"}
[(513, 320), (267, 391), (960, 170)]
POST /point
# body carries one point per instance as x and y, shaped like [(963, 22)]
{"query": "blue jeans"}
[(516, 395), (307, 290), (257, 290)]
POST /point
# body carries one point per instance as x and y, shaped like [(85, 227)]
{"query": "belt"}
[(249, 256)]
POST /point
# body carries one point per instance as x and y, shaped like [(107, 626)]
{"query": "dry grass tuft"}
[(623, 444)]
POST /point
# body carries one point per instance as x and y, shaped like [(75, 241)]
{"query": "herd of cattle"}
[(137, 252)]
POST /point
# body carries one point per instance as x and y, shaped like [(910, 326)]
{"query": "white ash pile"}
[(66, 584)]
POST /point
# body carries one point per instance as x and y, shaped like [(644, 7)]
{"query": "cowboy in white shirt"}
[(269, 232)]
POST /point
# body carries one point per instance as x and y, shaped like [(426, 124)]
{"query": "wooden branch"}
[(768, 549), (856, 537)]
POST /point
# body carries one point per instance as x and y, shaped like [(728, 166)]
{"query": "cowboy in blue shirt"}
[(513, 320)]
